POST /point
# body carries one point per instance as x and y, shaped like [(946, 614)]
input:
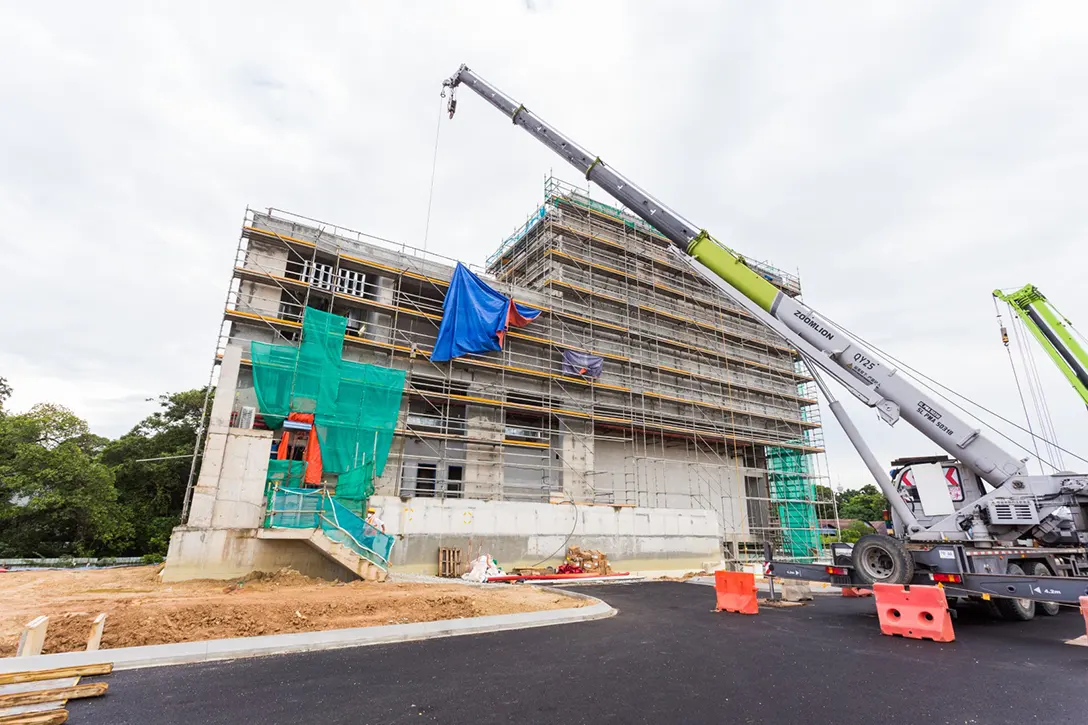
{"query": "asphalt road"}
[(665, 658)]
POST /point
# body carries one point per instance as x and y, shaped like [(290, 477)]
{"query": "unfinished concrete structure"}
[(700, 439)]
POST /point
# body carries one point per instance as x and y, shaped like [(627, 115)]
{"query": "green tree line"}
[(865, 504), (65, 491)]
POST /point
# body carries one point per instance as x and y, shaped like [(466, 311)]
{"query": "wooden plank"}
[(32, 639), (56, 694), (10, 678), (94, 641), (39, 685), (42, 717)]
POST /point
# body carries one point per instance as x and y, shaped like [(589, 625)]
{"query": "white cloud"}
[(906, 158)]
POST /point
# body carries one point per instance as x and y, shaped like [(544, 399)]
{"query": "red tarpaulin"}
[(313, 448)]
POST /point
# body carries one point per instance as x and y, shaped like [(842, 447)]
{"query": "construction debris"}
[(585, 562), (38, 697), (32, 638), (560, 577), (14, 678), (56, 716), (55, 694), (482, 568), (796, 591)]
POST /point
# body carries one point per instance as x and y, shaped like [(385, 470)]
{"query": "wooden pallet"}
[(450, 562)]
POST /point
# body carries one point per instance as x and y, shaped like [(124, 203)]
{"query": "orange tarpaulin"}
[(313, 448)]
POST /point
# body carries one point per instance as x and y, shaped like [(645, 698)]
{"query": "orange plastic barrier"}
[(856, 592), (914, 612), (1084, 610), (736, 592)]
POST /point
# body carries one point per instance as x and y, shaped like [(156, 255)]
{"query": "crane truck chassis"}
[(973, 521)]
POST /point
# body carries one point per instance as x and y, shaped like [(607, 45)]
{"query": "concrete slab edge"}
[(128, 658)]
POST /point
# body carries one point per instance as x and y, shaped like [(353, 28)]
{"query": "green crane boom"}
[(1051, 330)]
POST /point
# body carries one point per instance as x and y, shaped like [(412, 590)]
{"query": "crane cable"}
[(434, 166), (1038, 397), (1015, 377), (922, 376)]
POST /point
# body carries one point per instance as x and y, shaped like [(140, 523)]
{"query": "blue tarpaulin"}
[(582, 363), (475, 317)]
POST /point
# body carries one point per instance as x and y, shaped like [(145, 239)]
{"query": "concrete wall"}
[(483, 462), (673, 478), (523, 534), (266, 258), (230, 490), (577, 454), (204, 553)]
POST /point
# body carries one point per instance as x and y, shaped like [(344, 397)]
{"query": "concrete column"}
[(207, 484), (226, 388), (239, 495), (378, 323)]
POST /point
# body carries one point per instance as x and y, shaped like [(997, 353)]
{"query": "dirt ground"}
[(142, 610)]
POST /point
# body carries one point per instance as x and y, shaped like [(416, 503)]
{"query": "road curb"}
[(129, 658)]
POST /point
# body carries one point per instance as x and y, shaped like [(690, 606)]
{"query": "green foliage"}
[(151, 467), (866, 503), (151, 559), (66, 492), (854, 531), (55, 498)]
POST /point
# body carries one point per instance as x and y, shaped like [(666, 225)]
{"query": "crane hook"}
[(452, 105)]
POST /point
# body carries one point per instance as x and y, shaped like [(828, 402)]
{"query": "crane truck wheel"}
[(1018, 610), (1050, 609), (880, 559)]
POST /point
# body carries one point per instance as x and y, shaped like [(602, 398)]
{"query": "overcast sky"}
[(906, 158)]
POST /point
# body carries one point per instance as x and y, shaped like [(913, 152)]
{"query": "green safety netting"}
[(286, 473), (314, 509), (795, 493), (356, 486), (355, 405), (360, 426)]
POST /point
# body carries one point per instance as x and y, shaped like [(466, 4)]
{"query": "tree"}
[(866, 503), (854, 531), (55, 498), (5, 393), (151, 466), (825, 495)]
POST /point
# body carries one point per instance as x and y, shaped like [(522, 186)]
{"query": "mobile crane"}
[(1051, 330), (974, 520)]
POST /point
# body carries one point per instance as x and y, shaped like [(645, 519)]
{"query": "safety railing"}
[(304, 508)]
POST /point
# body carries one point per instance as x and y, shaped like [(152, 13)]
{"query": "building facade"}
[(699, 413)]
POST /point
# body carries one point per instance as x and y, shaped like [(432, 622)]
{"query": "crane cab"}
[(935, 487)]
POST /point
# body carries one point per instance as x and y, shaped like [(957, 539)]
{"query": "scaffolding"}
[(697, 406)]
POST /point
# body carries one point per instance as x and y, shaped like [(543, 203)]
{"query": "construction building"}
[(696, 438)]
